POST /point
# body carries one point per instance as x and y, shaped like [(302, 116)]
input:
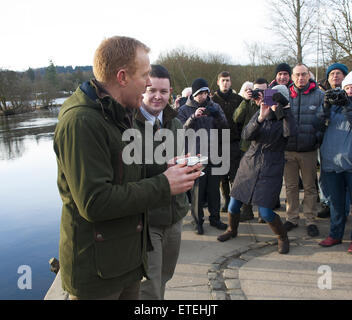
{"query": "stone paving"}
[(249, 267)]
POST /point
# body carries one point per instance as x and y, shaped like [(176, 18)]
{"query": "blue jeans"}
[(324, 200), (235, 206), (335, 186)]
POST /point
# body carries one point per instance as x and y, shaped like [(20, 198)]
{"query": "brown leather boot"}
[(278, 228), (231, 231)]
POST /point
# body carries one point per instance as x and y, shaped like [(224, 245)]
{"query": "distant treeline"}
[(22, 91), (184, 67), (25, 91), (65, 69)]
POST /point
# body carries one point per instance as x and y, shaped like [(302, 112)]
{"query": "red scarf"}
[(294, 94)]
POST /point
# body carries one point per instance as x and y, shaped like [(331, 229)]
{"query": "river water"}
[(30, 205)]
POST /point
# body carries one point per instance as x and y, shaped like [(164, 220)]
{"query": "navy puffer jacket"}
[(307, 107)]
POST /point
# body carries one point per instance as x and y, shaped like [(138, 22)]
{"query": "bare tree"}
[(186, 65), (16, 91), (339, 26), (293, 22)]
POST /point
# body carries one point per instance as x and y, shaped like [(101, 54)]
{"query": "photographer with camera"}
[(263, 165), (335, 74), (201, 112), (336, 158), (306, 101), (245, 111)]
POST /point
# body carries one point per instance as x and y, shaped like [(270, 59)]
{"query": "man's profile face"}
[(282, 77), (335, 78), (137, 83), (224, 84), (300, 76), (157, 95), (201, 97)]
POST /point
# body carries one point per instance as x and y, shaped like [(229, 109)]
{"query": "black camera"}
[(255, 93), (337, 97), (206, 112), (211, 111)]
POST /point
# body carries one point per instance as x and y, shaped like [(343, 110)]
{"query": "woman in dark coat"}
[(259, 177)]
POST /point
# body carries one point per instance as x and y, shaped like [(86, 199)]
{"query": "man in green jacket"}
[(165, 222), (104, 229)]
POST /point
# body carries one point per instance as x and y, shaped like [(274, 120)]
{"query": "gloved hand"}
[(344, 100), (213, 111), (327, 104), (280, 99), (279, 112)]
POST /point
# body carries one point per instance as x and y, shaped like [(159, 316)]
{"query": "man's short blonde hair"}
[(114, 54)]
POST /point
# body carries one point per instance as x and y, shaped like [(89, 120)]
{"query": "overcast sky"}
[(68, 31)]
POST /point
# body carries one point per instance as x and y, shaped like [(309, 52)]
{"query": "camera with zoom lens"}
[(255, 93), (337, 97)]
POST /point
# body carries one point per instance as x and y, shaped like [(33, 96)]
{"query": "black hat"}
[(283, 67), (199, 85)]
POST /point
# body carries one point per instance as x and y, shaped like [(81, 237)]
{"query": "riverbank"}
[(30, 108)]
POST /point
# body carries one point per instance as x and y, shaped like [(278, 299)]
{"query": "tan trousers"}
[(306, 163), (162, 260), (130, 292)]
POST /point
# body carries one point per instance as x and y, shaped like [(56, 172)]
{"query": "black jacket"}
[(306, 106), (229, 102), (186, 116)]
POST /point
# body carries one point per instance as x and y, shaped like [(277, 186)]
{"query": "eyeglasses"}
[(303, 74)]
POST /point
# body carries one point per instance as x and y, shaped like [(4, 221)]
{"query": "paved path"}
[(249, 267)]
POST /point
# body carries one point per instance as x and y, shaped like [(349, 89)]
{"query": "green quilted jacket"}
[(104, 227)]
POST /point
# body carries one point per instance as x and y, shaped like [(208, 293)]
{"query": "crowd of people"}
[(307, 101), (122, 222)]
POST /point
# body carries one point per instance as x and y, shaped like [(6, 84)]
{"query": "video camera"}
[(337, 97)]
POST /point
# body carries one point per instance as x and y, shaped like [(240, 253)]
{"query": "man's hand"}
[(199, 112), (173, 161), (181, 177), (247, 94)]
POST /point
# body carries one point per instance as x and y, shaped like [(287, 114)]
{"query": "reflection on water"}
[(14, 129), (30, 204)]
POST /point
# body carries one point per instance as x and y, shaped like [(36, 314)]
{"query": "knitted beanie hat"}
[(199, 85), (339, 66), (347, 80), (283, 67), (283, 90)]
